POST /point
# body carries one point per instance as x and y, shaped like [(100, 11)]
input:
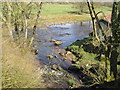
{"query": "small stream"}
[(67, 33)]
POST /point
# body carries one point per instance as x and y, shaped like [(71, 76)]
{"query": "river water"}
[(67, 33)]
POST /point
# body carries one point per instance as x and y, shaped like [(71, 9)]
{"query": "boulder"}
[(54, 67), (49, 56), (68, 53), (62, 54), (58, 42), (57, 47), (53, 40)]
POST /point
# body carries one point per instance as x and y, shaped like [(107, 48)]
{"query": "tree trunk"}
[(34, 28), (115, 29)]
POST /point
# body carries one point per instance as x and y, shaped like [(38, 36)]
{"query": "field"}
[(65, 13)]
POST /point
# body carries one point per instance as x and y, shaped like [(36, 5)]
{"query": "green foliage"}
[(71, 82), (88, 67), (81, 54), (82, 6)]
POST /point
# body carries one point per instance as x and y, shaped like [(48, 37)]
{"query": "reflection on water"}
[(67, 33)]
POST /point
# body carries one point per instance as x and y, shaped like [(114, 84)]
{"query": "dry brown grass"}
[(19, 67)]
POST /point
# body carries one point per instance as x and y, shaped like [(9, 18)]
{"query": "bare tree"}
[(36, 21)]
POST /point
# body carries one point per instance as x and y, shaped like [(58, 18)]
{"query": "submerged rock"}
[(57, 47), (56, 67), (65, 34), (53, 72)]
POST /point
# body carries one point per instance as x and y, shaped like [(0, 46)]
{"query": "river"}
[(67, 33)]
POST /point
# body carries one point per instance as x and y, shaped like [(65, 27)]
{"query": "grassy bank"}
[(19, 67), (91, 64)]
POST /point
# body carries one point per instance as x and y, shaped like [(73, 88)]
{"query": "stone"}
[(58, 42), (68, 53), (59, 73), (60, 68), (54, 67), (68, 34), (57, 47), (53, 40), (61, 54), (64, 58), (49, 56), (36, 52)]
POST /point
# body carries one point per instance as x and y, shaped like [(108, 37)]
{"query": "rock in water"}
[(54, 67), (53, 40), (49, 56), (61, 54), (68, 33), (68, 53), (58, 42)]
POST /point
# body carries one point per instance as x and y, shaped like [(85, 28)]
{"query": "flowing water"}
[(67, 33)]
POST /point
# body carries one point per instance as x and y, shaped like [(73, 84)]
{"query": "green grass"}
[(61, 9), (104, 9), (56, 13), (57, 9), (82, 55), (53, 12)]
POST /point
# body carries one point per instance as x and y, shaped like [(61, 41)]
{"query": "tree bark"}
[(34, 28)]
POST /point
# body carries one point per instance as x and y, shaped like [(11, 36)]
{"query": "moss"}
[(70, 82), (82, 55)]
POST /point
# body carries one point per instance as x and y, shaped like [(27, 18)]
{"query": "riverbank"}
[(20, 68), (90, 65)]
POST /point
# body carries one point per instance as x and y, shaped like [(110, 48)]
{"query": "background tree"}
[(81, 6)]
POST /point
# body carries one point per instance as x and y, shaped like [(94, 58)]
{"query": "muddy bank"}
[(65, 22)]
